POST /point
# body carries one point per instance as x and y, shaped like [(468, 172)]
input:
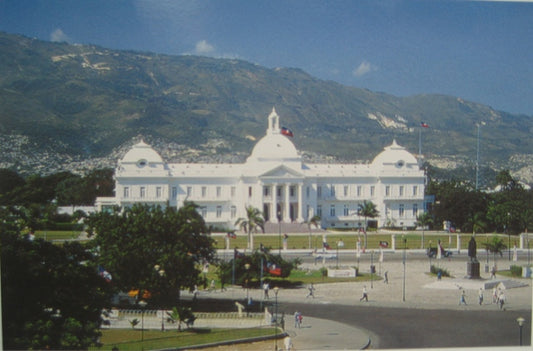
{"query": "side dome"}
[(142, 154), (395, 156)]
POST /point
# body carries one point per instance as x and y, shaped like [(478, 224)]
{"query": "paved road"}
[(429, 317)]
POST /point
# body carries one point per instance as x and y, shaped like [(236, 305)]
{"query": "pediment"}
[(281, 172)]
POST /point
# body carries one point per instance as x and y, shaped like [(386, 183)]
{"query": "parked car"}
[(432, 252)]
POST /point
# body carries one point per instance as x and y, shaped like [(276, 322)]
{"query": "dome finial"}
[(273, 122)]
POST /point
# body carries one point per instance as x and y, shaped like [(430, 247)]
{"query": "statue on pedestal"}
[(472, 250)]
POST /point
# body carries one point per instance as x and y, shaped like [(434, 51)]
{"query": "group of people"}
[(498, 297)]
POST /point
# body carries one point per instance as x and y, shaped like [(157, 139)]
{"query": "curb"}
[(230, 342)]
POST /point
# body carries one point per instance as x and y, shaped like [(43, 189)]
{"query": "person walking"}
[(494, 295), (365, 294), (386, 275), (311, 292), (266, 287), (297, 319), (501, 299), (480, 296), (462, 300)]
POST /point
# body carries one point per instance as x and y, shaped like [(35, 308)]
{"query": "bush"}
[(435, 270), (516, 271)]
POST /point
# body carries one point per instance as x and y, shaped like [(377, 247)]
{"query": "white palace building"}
[(276, 181)]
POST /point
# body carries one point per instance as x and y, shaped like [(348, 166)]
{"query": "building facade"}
[(276, 181)]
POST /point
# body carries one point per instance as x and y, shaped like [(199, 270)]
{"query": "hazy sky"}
[(477, 50)]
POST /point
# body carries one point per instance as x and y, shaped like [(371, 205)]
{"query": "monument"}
[(472, 266)]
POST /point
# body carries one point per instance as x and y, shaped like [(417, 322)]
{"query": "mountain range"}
[(77, 107)]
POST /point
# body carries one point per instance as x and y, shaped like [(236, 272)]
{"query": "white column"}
[(458, 243), (287, 215), (300, 203), (275, 203), (393, 240)]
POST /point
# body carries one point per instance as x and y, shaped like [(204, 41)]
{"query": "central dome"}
[(274, 146)]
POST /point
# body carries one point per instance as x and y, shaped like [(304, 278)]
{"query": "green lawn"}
[(413, 240), (129, 339), (56, 234)]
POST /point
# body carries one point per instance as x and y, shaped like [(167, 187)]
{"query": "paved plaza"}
[(420, 290)]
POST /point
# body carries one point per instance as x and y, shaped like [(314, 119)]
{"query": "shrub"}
[(516, 271), (435, 270)]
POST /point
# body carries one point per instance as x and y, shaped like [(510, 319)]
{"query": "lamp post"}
[(403, 260), (520, 321), (161, 273), (508, 236), (247, 267), (340, 243), (143, 304), (279, 232), (372, 269), (276, 290)]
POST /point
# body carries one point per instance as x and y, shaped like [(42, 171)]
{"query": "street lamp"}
[(404, 249), (276, 290), (508, 235), (247, 267), (279, 234), (340, 243), (161, 273), (372, 269), (520, 321), (143, 304)]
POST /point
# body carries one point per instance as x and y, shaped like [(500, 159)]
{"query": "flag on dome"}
[(104, 274), (424, 125), (286, 131)]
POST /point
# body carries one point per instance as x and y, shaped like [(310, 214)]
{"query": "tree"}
[(477, 222), (254, 219), (52, 295), (181, 315), (423, 221), (315, 221), (495, 246), (368, 210), (132, 242)]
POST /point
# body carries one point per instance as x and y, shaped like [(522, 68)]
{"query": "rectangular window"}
[(204, 212), (158, 192), (278, 190), (359, 191), (204, 191), (346, 210), (142, 192), (126, 192), (249, 191), (319, 210), (233, 211), (232, 191), (219, 191), (189, 191), (401, 190), (372, 190), (346, 190), (308, 211), (307, 191), (332, 210), (266, 191), (402, 210), (387, 190), (219, 211), (319, 192), (332, 190), (292, 190), (415, 210), (415, 190), (174, 193)]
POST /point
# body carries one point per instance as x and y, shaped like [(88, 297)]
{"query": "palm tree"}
[(477, 223), (315, 220), (254, 219), (496, 245), (368, 210), (423, 221), (181, 315)]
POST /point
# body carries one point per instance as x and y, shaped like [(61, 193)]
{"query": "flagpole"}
[(420, 141)]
